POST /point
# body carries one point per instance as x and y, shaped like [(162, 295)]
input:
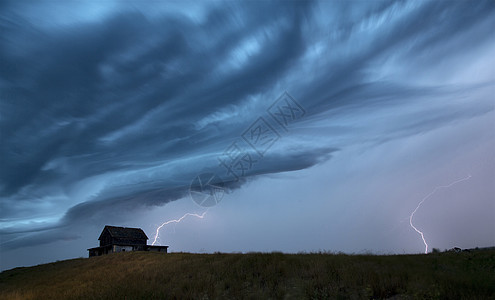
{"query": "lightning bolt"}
[(423, 200), (176, 221)]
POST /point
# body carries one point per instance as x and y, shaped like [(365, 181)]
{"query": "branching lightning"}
[(176, 221), (423, 200)]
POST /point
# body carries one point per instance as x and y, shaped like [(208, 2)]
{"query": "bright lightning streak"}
[(176, 221), (421, 202)]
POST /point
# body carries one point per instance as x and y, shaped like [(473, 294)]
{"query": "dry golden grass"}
[(145, 275)]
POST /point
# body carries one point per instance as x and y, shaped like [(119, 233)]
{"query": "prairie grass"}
[(147, 275)]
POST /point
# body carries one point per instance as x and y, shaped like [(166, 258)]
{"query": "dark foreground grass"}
[(142, 275)]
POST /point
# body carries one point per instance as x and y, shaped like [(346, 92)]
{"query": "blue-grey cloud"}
[(117, 113)]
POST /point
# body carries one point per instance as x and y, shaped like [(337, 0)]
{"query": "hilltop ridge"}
[(144, 275)]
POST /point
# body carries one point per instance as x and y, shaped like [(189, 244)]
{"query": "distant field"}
[(142, 275)]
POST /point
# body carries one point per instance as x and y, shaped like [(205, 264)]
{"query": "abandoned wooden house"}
[(121, 239)]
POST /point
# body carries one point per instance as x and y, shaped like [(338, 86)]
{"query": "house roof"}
[(124, 232)]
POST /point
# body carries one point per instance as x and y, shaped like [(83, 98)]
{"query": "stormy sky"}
[(345, 115)]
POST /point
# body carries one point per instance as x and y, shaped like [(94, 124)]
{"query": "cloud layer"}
[(115, 108)]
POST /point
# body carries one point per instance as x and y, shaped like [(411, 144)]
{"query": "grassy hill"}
[(144, 275)]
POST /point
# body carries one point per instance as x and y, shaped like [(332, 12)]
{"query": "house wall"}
[(157, 249), (128, 241), (125, 248), (100, 251), (106, 239), (117, 248), (109, 244)]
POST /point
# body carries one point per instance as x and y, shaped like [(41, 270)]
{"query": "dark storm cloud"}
[(431, 26), (65, 104), (70, 91), (121, 100)]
